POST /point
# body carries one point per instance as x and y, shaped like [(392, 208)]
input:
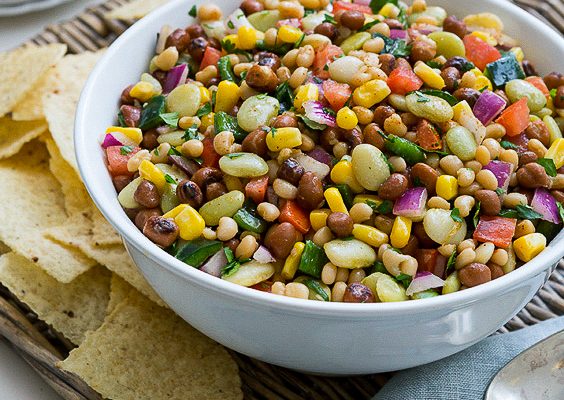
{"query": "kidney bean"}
[(358, 293), (197, 48), (187, 166), (329, 137), (268, 59), (553, 80), (388, 63), (143, 215), (291, 171), (474, 274), (559, 98), (354, 137), (371, 135), (280, 239), (423, 49), (232, 244), (381, 113), (161, 231), (341, 224), (393, 187), (529, 68), (196, 31), (533, 175), (179, 38), (310, 191), (285, 121), (453, 25), (468, 94), (121, 181), (204, 176), (214, 190), (261, 78), (538, 130), (126, 96), (255, 142), (451, 76), (147, 194), (411, 247), (495, 270), (326, 29), (489, 202), (426, 175), (251, 6), (189, 193), (131, 115), (149, 141), (352, 19)]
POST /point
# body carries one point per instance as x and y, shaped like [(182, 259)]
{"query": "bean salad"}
[(365, 151)]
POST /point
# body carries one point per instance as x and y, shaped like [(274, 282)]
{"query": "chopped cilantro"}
[(369, 25), (451, 261), (299, 42), (508, 145), (549, 166), (404, 279), (173, 152), (376, 5), (521, 212), (170, 119), (170, 179), (329, 18), (232, 156), (190, 133), (434, 64), (553, 93), (560, 210), (125, 150), (384, 207), (230, 24), (455, 215), (476, 217), (204, 110), (312, 124), (421, 98), (500, 191), (193, 12), (395, 47), (379, 267)]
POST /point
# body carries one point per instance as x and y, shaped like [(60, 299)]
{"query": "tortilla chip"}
[(135, 10), (71, 308), (103, 234), (31, 201), (60, 104), (30, 108), (143, 351), (14, 134), (22, 68), (120, 290)]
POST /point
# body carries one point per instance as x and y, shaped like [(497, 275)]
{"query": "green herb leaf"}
[(384, 207), (233, 156), (369, 25), (190, 133), (421, 98), (230, 268), (173, 152), (329, 18), (500, 191), (309, 11), (395, 47), (508, 145), (193, 12), (521, 212), (125, 150), (312, 124), (379, 267), (553, 93), (230, 24), (170, 179), (404, 279), (560, 210), (171, 119), (299, 42), (121, 120), (229, 254), (449, 98), (450, 263), (434, 64), (549, 166), (455, 215), (204, 110), (476, 217), (376, 5), (314, 285)]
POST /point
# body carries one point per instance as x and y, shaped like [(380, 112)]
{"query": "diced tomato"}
[(403, 80), (337, 94), (427, 136), (537, 82), (515, 118), (210, 158), (341, 5), (498, 230), (256, 189), (479, 52), (265, 286), (291, 212), (211, 57), (290, 21), (117, 159), (323, 57), (431, 260)]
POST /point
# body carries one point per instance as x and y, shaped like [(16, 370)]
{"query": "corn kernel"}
[(150, 172), (305, 93), (233, 39), (389, 10), (486, 37), (518, 53), (369, 235), (342, 174), (227, 96), (335, 200), (142, 91), (318, 218), (205, 95), (247, 37), (370, 93), (289, 34), (401, 229), (483, 82), (529, 246), (556, 152), (346, 118), (207, 120), (283, 138), (447, 187), (175, 211), (134, 134), (429, 76), (368, 199), (190, 223), (293, 261)]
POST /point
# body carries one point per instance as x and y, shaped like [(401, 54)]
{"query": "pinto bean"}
[(490, 203), (149, 141), (196, 31), (267, 59), (393, 187), (121, 181), (143, 216), (161, 231), (538, 130), (358, 293), (179, 38), (255, 142), (285, 120), (553, 80), (352, 19), (468, 94), (372, 136), (453, 25), (207, 175), (261, 78), (388, 62), (532, 175), (251, 6), (197, 48), (451, 76), (310, 191), (326, 29), (341, 224), (426, 174), (291, 171), (474, 274), (280, 239), (126, 96), (381, 113), (131, 115), (529, 68), (147, 194), (214, 190)]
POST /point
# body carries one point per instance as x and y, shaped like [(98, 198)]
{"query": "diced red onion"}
[(310, 164), (423, 281), (398, 34), (411, 204), (362, 2), (119, 139), (502, 171), (545, 204), (110, 140), (319, 154), (176, 76), (488, 106), (315, 111), (215, 264), (236, 20), (262, 255)]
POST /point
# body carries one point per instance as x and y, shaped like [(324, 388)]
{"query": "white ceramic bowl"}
[(318, 337)]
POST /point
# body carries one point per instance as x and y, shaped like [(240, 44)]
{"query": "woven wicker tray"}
[(42, 347)]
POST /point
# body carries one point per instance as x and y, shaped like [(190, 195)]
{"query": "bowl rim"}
[(135, 237)]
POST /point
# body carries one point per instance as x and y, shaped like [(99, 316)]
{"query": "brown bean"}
[(272, 197), (423, 49), (161, 231), (268, 59), (411, 247), (358, 293), (326, 29), (149, 141), (453, 25), (214, 42), (527, 157), (529, 68), (286, 120), (310, 191), (126, 96), (261, 78), (159, 76), (558, 195), (490, 203), (468, 94), (214, 190), (371, 135), (353, 136), (421, 235), (143, 215), (187, 166), (341, 224), (393, 187), (384, 223), (291, 170), (538, 130), (251, 6), (195, 31), (553, 80), (131, 115), (474, 274), (255, 142), (451, 76), (388, 63), (179, 38), (147, 194), (381, 113), (280, 239), (502, 94), (204, 176), (329, 137), (197, 48), (393, 23), (121, 181), (189, 193), (352, 19), (559, 98), (532, 176), (457, 62), (427, 175), (495, 270)]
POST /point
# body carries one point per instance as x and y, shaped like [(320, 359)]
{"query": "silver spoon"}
[(535, 374)]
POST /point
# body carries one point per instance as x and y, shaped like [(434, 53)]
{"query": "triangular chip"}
[(71, 308), (103, 234), (143, 351), (135, 9), (4, 249), (22, 68), (30, 108), (119, 291), (32, 201), (14, 134)]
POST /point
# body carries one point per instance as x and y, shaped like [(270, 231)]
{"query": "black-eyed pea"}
[(487, 179), (451, 164), (483, 155), (342, 275), (283, 74), (465, 177), (524, 228), (167, 59), (364, 115), (135, 160), (438, 202), (356, 275), (470, 189), (495, 131), (305, 56), (269, 212), (512, 200), (484, 252), (466, 244), (473, 165), (395, 126), (398, 163), (537, 147), (285, 189), (338, 291), (307, 143), (510, 156), (493, 147), (223, 141)]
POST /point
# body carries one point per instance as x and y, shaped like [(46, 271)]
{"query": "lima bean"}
[(251, 273), (441, 228), (354, 42), (172, 171), (462, 143), (264, 20), (243, 165), (125, 197), (389, 290), (169, 200), (223, 206), (343, 69), (371, 280), (452, 283), (518, 88), (184, 99), (429, 107), (369, 166), (257, 111), (448, 44), (350, 253), (173, 138), (438, 13)]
